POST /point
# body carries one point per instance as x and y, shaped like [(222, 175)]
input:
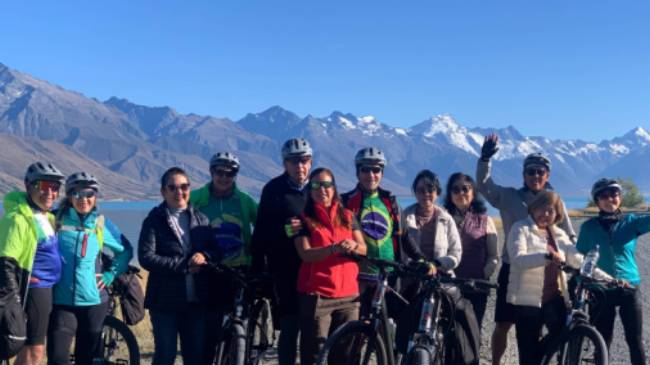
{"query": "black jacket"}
[(270, 246), (160, 251)]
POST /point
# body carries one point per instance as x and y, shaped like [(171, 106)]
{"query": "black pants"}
[(528, 324), (213, 333), (629, 306), (84, 324), (479, 302)]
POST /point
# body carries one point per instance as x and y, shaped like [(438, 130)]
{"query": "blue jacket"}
[(616, 248), (81, 261)]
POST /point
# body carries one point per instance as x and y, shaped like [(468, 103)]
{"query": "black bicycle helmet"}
[(537, 159), (370, 156), (604, 184), (225, 159), (81, 179), (43, 171), (296, 147)]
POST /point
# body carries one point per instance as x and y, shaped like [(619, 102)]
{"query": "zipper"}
[(74, 272)]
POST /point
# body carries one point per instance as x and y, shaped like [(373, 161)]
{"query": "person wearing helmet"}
[(512, 204), (232, 214), (30, 264), (282, 202), (616, 233), (80, 297)]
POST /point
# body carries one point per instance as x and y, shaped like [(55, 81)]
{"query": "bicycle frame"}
[(379, 315), (428, 323)]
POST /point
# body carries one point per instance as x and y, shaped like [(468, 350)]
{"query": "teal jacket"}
[(616, 248), (200, 198), (80, 244)]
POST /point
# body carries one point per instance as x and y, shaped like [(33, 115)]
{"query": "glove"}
[(107, 278), (419, 267), (489, 147)]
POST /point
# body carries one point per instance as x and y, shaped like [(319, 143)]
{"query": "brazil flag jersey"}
[(377, 228), (226, 219)]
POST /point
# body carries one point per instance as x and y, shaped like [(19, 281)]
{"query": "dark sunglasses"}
[(44, 185), (461, 189), (182, 187), (425, 190), (225, 173), (534, 172), (89, 194), (609, 194), (369, 169), (299, 160), (315, 185)]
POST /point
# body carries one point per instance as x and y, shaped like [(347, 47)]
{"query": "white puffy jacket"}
[(527, 253)]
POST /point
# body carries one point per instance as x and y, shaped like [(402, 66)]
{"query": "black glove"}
[(489, 147), (419, 267)]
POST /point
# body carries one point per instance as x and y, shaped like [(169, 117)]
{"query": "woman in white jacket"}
[(537, 286)]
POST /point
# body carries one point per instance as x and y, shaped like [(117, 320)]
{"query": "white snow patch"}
[(642, 133), (619, 149), (401, 131), (346, 123)]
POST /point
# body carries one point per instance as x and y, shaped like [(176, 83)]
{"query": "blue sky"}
[(563, 69)]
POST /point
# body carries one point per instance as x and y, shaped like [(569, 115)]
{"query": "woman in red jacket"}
[(327, 282)]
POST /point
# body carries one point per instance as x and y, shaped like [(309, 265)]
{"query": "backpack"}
[(13, 327), (128, 288)]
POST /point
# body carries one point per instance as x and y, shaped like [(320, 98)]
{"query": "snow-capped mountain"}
[(130, 145)]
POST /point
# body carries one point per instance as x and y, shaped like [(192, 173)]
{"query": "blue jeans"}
[(188, 323)]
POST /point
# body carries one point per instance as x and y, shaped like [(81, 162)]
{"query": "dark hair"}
[(168, 175), (476, 206), (341, 218), (429, 177)]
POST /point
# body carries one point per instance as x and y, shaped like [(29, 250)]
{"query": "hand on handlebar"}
[(555, 257)]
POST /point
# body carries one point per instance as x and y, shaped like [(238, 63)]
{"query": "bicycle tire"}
[(232, 348), (259, 336), (357, 342), (419, 355), (582, 345), (118, 344)]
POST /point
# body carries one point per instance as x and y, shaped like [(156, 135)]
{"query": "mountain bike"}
[(247, 329), (430, 343), (580, 342), (368, 340)]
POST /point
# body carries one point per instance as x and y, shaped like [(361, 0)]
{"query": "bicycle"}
[(368, 340), (580, 342), (428, 344), (247, 336)]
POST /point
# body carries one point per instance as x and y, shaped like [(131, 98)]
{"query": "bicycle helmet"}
[(370, 156), (296, 147), (43, 171), (81, 179), (604, 184), (537, 159), (226, 159)]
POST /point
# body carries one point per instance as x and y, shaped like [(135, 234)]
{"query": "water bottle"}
[(590, 262)]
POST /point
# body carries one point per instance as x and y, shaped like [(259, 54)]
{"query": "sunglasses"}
[(299, 160), (535, 172), (369, 169), (609, 194), (315, 185), (44, 186), (461, 189), (181, 187), (425, 190), (225, 173), (88, 194)]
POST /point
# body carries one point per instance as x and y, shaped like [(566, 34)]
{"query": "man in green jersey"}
[(232, 213)]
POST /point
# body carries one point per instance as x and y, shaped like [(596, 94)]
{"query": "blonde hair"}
[(547, 198)]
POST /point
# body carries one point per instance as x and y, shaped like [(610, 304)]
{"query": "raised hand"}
[(489, 147)]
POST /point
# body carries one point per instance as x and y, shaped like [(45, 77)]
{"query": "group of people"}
[(299, 233)]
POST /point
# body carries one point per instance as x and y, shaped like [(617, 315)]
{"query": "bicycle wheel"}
[(582, 345), (259, 337), (232, 348), (118, 345), (354, 343), (419, 355)]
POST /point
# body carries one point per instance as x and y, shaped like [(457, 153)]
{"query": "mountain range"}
[(128, 146)]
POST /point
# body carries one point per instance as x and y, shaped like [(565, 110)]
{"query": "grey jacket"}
[(512, 203)]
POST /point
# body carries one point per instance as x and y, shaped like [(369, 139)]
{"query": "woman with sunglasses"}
[(616, 233), (477, 233), (327, 285), (430, 226), (175, 243), (30, 264), (80, 298)]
